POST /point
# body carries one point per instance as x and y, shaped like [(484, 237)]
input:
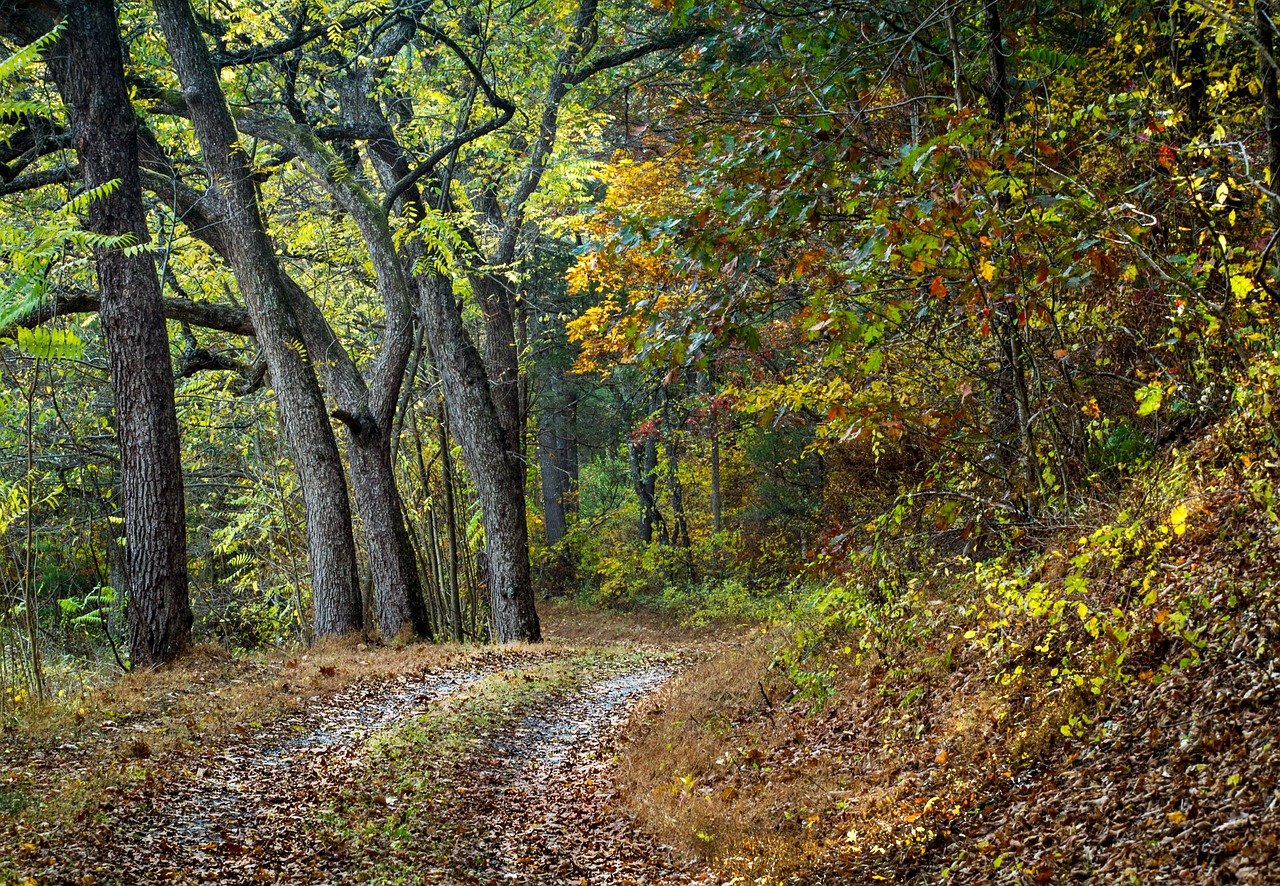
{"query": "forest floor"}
[(443, 764)]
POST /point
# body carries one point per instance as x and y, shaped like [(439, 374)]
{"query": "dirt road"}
[(513, 787)]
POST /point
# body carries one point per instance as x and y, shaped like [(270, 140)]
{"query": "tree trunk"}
[(642, 459), (502, 360), (680, 533), (306, 425), (998, 62), (1188, 61), (496, 470), (557, 458), (474, 422), (717, 517), (1268, 69), (642, 456), (393, 570), (87, 64), (451, 519)]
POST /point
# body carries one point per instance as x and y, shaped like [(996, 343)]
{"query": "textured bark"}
[(397, 584), (1269, 74), (998, 63), (393, 569), (252, 258), (87, 65), (642, 458), (367, 408), (502, 359), (474, 422), (207, 315)]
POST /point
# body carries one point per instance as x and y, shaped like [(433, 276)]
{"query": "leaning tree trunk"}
[(393, 570), (87, 64), (476, 422), (335, 585)]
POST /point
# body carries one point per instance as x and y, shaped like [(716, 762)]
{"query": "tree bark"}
[(474, 421), (642, 462), (680, 532), (335, 585), (557, 457), (998, 63), (393, 570), (88, 67), (474, 418), (367, 410), (1269, 73), (717, 508), (502, 359)]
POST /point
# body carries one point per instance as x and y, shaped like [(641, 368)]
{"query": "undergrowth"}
[(924, 733)]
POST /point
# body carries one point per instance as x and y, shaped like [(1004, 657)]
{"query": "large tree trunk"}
[(502, 359), (474, 422), (396, 581), (366, 409), (474, 419), (393, 569), (306, 424), (87, 64)]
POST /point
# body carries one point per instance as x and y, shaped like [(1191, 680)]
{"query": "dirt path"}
[(550, 814), (539, 807)]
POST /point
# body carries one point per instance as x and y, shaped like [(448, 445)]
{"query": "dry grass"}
[(728, 763), (209, 693)]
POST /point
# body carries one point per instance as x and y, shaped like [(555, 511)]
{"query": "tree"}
[(87, 66), (270, 303), (483, 393)]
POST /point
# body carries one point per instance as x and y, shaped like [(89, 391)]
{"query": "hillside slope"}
[(1103, 711)]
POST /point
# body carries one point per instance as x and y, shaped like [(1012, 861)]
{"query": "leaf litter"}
[(538, 803)]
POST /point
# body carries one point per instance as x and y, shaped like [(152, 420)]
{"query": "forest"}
[(639, 441)]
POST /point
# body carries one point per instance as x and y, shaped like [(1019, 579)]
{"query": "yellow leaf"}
[(1177, 817), (987, 271), (1178, 519)]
